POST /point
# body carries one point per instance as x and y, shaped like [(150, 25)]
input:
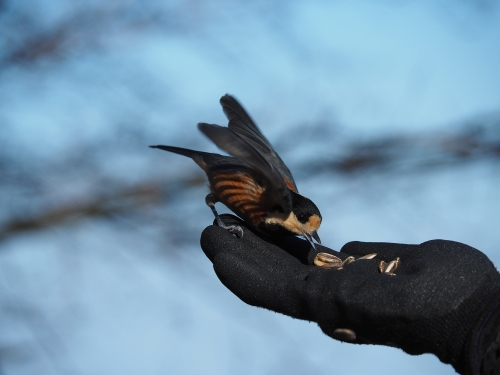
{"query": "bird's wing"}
[(234, 144), (242, 124)]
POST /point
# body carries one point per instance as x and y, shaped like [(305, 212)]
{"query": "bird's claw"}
[(234, 229)]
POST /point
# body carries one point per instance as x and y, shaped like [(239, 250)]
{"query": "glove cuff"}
[(462, 337), (483, 344)]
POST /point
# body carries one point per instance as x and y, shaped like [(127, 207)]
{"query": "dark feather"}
[(243, 125), (229, 141), (205, 160), (178, 150)]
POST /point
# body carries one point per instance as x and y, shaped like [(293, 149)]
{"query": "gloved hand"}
[(444, 298)]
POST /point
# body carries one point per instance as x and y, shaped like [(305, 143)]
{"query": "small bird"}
[(254, 182)]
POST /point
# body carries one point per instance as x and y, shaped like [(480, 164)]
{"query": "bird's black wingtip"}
[(154, 146), (202, 126), (226, 99)]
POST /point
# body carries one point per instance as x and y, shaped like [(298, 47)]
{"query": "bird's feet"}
[(210, 200), (233, 229)]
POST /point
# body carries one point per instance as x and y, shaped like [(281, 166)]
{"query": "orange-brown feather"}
[(240, 193), (290, 185)]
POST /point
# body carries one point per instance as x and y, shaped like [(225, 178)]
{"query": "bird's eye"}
[(302, 218)]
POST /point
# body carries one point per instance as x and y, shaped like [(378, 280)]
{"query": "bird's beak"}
[(316, 237), (310, 237)]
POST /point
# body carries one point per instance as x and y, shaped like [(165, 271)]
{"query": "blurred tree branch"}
[(121, 201), (27, 39), (386, 154), (415, 152)]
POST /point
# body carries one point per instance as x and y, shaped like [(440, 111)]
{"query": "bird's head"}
[(304, 219)]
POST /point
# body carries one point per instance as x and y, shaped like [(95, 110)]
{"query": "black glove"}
[(444, 298)]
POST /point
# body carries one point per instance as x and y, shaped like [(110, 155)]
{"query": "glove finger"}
[(260, 248), (258, 286), (251, 248), (384, 250), (302, 249), (298, 248), (215, 240)]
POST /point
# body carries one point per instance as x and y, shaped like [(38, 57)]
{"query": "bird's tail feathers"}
[(178, 150)]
